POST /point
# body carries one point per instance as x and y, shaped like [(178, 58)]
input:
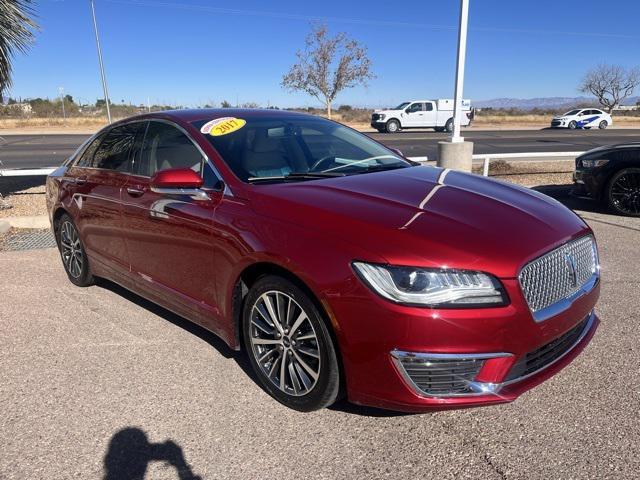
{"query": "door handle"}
[(81, 180), (135, 192)]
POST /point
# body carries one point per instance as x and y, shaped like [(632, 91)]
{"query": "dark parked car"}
[(338, 266), (611, 175)]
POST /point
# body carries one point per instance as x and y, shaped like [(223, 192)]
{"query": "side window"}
[(86, 159), (113, 152), (429, 106), (166, 147), (415, 107)]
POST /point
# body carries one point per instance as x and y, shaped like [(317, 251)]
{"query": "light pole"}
[(462, 53), (64, 115), (102, 75), (456, 153)]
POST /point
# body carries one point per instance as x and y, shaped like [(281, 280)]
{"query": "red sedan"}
[(340, 267)]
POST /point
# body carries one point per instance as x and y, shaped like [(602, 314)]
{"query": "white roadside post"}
[(456, 153)]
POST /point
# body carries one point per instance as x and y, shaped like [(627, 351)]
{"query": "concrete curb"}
[(38, 221)]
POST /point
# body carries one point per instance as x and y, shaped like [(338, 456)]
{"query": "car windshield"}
[(279, 148), (402, 105), (572, 112)]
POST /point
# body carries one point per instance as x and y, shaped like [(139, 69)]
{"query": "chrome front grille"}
[(550, 281)]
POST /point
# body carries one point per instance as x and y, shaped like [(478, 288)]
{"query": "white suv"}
[(436, 114), (583, 118)]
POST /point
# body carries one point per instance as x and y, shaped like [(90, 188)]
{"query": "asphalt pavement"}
[(30, 151), (98, 383)]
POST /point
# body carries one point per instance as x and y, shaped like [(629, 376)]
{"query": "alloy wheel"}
[(625, 193), (71, 249), (284, 343)]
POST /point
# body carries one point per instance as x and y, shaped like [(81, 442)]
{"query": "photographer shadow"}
[(130, 453)]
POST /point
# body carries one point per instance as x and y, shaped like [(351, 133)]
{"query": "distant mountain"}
[(543, 102)]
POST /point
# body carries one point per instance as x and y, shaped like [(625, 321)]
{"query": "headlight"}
[(432, 287), (595, 162), (381, 116)]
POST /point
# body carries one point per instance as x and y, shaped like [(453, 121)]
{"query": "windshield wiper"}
[(378, 168), (297, 176)]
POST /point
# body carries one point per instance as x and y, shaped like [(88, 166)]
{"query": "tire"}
[(72, 253), (439, 129), (623, 192), (448, 127), (310, 377), (603, 124), (393, 126), (572, 125)]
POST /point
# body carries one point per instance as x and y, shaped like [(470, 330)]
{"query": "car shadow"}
[(224, 350), (130, 452), (562, 193)]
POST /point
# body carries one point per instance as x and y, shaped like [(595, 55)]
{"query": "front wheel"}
[(289, 345), (74, 258), (603, 124), (393, 126), (572, 125), (623, 192), (449, 126)]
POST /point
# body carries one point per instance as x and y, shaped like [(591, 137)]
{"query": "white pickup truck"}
[(436, 114)]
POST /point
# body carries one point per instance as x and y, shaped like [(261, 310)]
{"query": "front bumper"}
[(380, 335), (586, 184)]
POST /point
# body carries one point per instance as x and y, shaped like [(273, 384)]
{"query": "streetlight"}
[(456, 153), (102, 75), (64, 115), (462, 53)]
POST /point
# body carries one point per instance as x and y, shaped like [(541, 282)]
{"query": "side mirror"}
[(179, 181), (184, 178)]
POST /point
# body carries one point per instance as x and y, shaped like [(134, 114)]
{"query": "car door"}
[(414, 115), (169, 236), (429, 115), (100, 176)]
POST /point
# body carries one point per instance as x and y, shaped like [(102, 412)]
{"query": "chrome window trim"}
[(479, 388)]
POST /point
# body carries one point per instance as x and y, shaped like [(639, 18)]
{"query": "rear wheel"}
[(449, 125), (72, 253), (572, 125), (289, 345), (603, 124), (393, 126), (623, 192)]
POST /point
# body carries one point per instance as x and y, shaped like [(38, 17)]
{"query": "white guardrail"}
[(485, 157)]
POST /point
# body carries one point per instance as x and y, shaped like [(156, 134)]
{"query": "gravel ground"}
[(97, 383), (26, 196)]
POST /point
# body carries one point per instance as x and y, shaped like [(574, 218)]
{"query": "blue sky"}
[(197, 51)]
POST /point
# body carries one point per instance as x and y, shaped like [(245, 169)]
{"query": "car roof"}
[(196, 114)]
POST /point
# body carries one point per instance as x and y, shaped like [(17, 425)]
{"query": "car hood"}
[(387, 112), (426, 216)]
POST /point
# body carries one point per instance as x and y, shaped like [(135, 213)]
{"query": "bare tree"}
[(328, 65), (610, 84), (16, 35)]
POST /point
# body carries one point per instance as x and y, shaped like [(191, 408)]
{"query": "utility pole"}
[(456, 153), (64, 115), (102, 75)]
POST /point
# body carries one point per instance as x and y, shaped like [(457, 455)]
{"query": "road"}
[(22, 151), (98, 383)]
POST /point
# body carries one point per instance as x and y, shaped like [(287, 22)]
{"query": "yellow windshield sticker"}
[(223, 126)]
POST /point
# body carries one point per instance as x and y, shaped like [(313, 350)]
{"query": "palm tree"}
[(16, 35)]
